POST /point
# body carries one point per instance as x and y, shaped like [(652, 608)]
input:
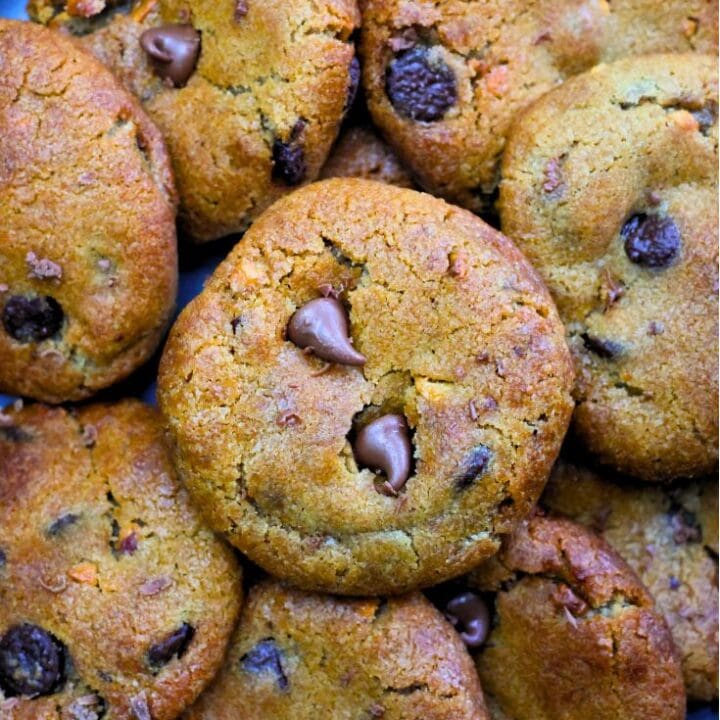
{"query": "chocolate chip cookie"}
[(115, 600), (248, 93), (609, 187), (88, 259), (445, 79), (575, 635), (306, 656), (370, 389), (669, 537)]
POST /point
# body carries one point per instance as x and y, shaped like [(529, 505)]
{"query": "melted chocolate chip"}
[(174, 644), (606, 349), (289, 157), (651, 240), (353, 84), (32, 319), (474, 466), (470, 615), (322, 326), (56, 527), (32, 661), (265, 658), (173, 51), (420, 87), (384, 446)]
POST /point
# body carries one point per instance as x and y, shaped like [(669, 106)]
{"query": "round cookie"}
[(445, 79), (88, 259), (248, 93), (115, 600), (575, 635), (309, 656), (456, 388), (669, 537), (609, 187), (360, 152)]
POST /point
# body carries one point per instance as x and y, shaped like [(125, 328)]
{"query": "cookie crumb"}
[(42, 268), (139, 706)]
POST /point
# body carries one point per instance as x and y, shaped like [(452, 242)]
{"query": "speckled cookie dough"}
[(575, 635), (669, 537), (115, 601), (88, 260), (306, 656), (610, 189), (398, 464), (249, 94), (445, 78)]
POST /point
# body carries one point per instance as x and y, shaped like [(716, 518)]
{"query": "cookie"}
[(249, 94), (444, 80), (115, 600), (669, 537), (369, 390), (307, 656), (361, 152), (575, 634), (609, 187), (88, 259)]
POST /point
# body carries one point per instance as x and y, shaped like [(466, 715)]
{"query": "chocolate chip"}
[(241, 9), (32, 661), (384, 446), (289, 157), (470, 615), (3, 559), (353, 84), (685, 526), (674, 583), (265, 658), (473, 467), (175, 644), (651, 240), (14, 434), (173, 51), (56, 527), (32, 319), (707, 115), (607, 349), (321, 326), (420, 87)]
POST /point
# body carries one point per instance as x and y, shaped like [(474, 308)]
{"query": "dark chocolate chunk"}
[(353, 83), (474, 466), (32, 319), (470, 616), (60, 524), (651, 240), (289, 157), (420, 87), (174, 644), (265, 657), (173, 51), (32, 661), (321, 325), (607, 349)]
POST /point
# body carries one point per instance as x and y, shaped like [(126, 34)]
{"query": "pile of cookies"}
[(448, 455)]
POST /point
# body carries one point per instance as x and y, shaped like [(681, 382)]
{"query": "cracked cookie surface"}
[(669, 537), (115, 599), (306, 656), (88, 259), (459, 336), (575, 634), (609, 187), (270, 73)]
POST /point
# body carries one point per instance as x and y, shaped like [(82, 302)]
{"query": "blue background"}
[(196, 264)]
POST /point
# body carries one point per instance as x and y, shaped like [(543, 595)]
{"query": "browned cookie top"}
[(610, 188), (397, 465), (575, 634), (88, 266), (305, 656), (249, 94), (445, 79), (115, 600)]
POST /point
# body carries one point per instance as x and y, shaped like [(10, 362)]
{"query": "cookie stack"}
[(447, 455)]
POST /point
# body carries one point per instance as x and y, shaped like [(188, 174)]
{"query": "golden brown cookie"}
[(306, 656), (249, 93), (115, 600), (575, 634), (610, 188), (88, 259), (445, 79), (669, 537), (389, 458)]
